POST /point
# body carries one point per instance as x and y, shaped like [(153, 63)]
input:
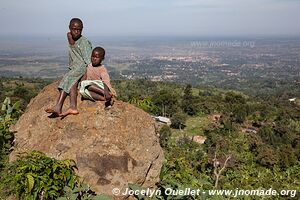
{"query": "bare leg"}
[(95, 89), (96, 96), (56, 111), (101, 95), (72, 110), (100, 91), (73, 96)]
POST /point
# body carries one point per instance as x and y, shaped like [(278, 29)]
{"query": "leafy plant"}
[(9, 114), (178, 120), (82, 192), (36, 176), (145, 104), (164, 135)]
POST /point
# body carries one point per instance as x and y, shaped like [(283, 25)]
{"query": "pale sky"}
[(151, 17)]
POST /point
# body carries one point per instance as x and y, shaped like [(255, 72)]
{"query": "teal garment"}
[(79, 58)]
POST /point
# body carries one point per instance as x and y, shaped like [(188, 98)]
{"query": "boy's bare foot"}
[(70, 111), (109, 103), (50, 110), (53, 112)]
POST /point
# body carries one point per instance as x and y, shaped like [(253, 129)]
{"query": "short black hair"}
[(100, 50), (76, 20)]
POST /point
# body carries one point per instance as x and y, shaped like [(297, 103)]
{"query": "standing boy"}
[(79, 57)]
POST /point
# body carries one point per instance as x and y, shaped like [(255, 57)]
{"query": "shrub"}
[(178, 120), (35, 176), (9, 114), (164, 135)]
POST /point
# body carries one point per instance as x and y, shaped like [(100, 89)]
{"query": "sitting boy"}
[(95, 84)]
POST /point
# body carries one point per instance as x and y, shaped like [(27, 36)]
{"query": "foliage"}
[(10, 110), (269, 152), (145, 104), (82, 192), (9, 114), (184, 168), (21, 89), (35, 176), (267, 156), (178, 120), (166, 101), (190, 103), (164, 135)]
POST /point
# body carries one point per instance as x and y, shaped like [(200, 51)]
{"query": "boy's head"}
[(76, 27), (98, 55)]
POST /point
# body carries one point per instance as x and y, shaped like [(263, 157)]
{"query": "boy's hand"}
[(107, 94), (70, 38)]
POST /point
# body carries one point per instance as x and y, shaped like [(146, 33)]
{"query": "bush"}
[(35, 176), (178, 120), (267, 156), (9, 114), (164, 135)]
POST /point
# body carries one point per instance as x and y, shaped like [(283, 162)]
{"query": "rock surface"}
[(111, 147)]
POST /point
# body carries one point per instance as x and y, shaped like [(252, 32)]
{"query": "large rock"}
[(111, 147)]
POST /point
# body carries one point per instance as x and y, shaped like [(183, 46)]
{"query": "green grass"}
[(194, 126)]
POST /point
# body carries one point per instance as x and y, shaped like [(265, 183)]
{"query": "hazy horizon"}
[(142, 18)]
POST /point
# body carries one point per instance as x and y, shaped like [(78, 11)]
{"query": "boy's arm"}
[(105, 78), (70, 39), (86, 50), (106, 92)]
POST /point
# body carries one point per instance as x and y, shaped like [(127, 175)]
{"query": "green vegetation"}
[(251, 142), (21, 89), (34, 175), (10, 113)]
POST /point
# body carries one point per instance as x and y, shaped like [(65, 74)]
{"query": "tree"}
[(267, 134), (267, 156), (239, 113), (287, 156), (190, 103), (167, 102), (219, 168), (164, 135), (234, 98), (178, 120)]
